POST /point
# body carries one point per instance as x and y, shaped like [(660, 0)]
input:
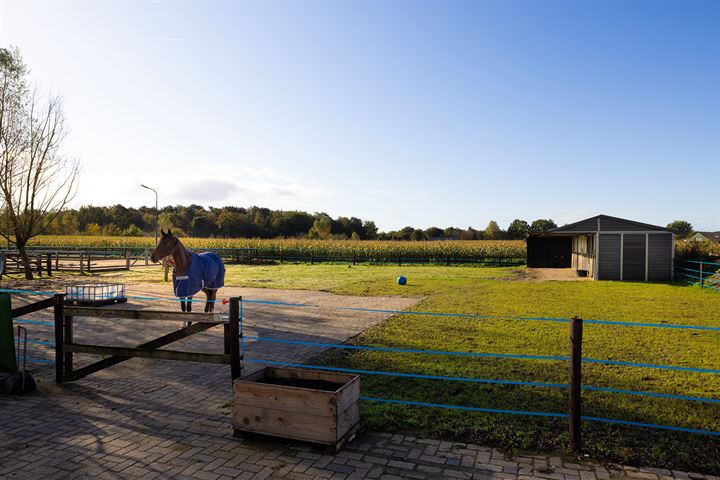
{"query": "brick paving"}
[(150, 419)]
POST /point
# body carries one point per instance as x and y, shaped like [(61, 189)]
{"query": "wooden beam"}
[(156, 343), (220, 358), (59, 316), (33, 307), (102, 312), (232, 338), (68, 324)]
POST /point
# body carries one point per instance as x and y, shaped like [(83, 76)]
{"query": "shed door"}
[(660, 256), (609, 256), (634, 257)]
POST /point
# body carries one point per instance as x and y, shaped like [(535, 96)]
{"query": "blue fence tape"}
[(503, 382), (460, 407), (690, 281), (271, 302), (40, 342), (474, 380), (652, 365), (541, 414), (690, 275), (26, 292), (40, 360), (411, 312), (650, 394), (492, 381), (407, 375), (704, 272), (33, 322), (406, 350), (462, 315), (706, 284), (655, 325), (490, 355), (704, 263), (651, 425)]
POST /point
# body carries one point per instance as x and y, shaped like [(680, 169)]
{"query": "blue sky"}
[(420, 113)]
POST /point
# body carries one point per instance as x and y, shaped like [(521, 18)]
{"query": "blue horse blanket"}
[(206, 271)]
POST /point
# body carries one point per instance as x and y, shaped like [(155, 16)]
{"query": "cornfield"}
[(305, 249)]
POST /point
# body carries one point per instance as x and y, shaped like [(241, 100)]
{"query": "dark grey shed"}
[(606, 248)]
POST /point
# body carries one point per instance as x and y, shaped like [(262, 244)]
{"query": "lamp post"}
[(156, 211)]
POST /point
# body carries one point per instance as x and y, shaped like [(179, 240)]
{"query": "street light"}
[(156, 211)]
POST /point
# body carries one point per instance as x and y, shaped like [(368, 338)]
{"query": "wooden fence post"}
[(233, 333), (127, 259), (575, 407), (702, 279), (166, 268), (59, 338), (49, 264)]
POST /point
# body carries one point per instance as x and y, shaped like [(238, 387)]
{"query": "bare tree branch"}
[(36, 180)]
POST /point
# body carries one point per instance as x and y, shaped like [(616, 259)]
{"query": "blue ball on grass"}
[(401, 280)]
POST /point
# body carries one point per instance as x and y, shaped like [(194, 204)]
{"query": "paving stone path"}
[(147, 419)]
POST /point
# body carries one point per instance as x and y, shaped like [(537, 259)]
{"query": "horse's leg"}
[(186, 303), (210, 300)]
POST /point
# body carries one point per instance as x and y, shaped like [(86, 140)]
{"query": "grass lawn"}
[(502, 291)]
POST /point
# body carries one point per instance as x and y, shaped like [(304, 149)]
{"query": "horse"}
[(192, 272)]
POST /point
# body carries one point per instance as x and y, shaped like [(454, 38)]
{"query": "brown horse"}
[(192, 272)]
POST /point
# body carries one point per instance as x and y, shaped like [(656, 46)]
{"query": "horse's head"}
[(165, 247)]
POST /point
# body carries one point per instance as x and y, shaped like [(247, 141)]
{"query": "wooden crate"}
[(308, 405)]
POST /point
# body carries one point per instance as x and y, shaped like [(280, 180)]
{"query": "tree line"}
[(258, 222)]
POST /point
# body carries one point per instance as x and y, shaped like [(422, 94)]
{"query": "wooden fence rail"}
[(130, 256)]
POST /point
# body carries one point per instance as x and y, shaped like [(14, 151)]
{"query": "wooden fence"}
[(44, 262), (66, 346), (232, 256), (11, 263)]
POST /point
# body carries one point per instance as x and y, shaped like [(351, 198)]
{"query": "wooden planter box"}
[(309, 405)]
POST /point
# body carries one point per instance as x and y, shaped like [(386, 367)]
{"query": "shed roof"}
[(604, 223)]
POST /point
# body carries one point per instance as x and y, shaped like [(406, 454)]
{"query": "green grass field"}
[(494, 291)]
